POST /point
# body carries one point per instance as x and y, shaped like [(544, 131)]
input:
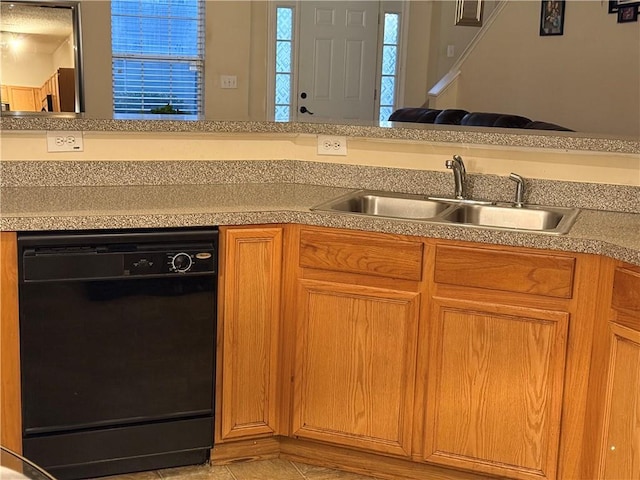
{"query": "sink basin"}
[(468, 213), (383, 204), (541, 219)]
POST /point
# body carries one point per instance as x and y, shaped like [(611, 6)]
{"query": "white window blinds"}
[(157, 56)]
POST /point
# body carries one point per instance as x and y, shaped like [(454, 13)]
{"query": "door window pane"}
[(284, 64), (389, 62)]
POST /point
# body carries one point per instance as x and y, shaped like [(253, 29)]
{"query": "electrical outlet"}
[(332, 145), (228, 81), (64, 142)]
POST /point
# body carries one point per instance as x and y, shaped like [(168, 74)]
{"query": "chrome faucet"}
[(519, 189), (459, 176)]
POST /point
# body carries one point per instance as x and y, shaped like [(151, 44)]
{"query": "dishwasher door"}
[(117, 351)]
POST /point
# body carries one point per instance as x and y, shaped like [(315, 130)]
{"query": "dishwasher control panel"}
[(158, 263), (75, 256)]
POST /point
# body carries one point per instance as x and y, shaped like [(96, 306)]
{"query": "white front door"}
[(337, 60)]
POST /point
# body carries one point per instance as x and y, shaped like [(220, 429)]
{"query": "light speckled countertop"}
[(49, 195), (388, 130), (614, 234)]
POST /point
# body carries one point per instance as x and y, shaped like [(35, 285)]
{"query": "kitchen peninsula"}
[(558, 308)]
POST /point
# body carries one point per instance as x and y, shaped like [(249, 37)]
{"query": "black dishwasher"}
[(117, 345)]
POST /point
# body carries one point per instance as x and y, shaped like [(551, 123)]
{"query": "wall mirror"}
[(41, 63), (585, 79)]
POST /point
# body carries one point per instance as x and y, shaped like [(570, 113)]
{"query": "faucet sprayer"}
[(459, 176), (519, 189)]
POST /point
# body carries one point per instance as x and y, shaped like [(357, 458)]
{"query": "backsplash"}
[(622, 198)]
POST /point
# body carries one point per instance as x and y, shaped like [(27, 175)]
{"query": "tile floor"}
[(275, 469)]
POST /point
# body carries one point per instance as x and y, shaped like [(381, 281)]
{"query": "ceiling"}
[(40, 29)]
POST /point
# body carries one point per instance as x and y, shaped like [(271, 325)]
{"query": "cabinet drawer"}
[(509, 271), (377, 255), (626, 291)]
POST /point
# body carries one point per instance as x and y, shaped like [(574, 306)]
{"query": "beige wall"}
[(418, 43), (27, 72), (236, 44), (592, 167), (444, 32), (64, 56), (34, 69), (258, 61), (586, 79), (229, 50), (96, 53)]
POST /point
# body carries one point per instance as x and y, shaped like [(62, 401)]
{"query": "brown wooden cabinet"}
[(19, 98), (57, 94), (497, 351), (451, 359), (500, 333), (358, 300), (10, 404), (495, 388), (61, 87), (619, 435), (248, 332)]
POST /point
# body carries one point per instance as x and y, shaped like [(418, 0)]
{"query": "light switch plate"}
[(228, 81), (65, 142)]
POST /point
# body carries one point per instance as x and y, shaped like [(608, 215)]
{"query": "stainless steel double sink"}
[(503, 216)]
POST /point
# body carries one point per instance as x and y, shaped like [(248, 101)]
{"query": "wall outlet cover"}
[(65, 141), (332, 145)]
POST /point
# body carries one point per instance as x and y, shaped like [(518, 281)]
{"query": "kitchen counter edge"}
[(613, 234)]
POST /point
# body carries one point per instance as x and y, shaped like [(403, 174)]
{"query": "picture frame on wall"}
[(615, 5), (552, 17), (628, 13), (469, 13)]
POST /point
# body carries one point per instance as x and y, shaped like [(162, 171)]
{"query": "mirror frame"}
[(77, 40)]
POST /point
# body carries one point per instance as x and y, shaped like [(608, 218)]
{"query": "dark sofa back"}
[(462, 117)]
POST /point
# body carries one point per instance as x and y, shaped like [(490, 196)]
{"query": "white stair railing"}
[(444, 94)]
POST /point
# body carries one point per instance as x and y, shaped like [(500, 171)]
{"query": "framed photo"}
[(552, 17), (469, 13), (628, 13), (614, 5)]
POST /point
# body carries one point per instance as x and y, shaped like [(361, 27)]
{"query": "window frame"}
[(194, 63)]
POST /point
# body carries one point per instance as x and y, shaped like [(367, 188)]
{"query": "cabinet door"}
[(248, 330), (355, 366), (66, 89), (53, 88), (22, 99), (10, 405), (494, 388), (619, 455), (620, 452)]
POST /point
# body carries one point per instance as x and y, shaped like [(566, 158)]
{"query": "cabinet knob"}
[(612, 448)]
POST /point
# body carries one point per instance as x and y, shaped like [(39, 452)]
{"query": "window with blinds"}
[(157, 56)]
